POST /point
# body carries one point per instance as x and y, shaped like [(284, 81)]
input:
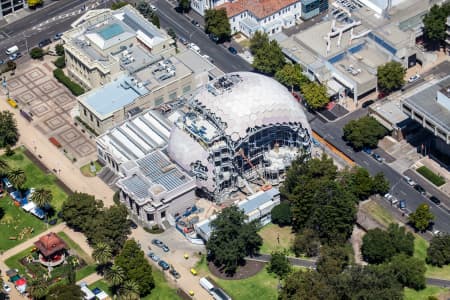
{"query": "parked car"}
[(133, 225), (436, 232), (165, 248), (153, 7), (193, 22), (368, 103), (2, 61), (157, 242), (388, 196), (183, 41), (165, 266), (377, 157), (402, 204), (367, 150), (232, 50), (409, 181), (57, 36), (435, 200), (153, 256), (193, 271), (174, 273), (6, 288), (44, 43), (15, 56), (420, 189), (214, 37), (413, 78)]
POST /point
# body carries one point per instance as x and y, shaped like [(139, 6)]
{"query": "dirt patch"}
[(356, 241), (250, 269)]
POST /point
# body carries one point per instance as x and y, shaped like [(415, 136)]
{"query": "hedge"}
[(76, 89), (428, 174), (60, 62)]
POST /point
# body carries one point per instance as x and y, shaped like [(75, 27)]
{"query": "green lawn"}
[(162, 290), (261, 286), (83, 255), (14, 261), (36, 178), (420, 251), (270, 232), (86, 169), (379, 213), (411, 294), (16, 221)]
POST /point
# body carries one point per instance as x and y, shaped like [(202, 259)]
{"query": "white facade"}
[(201, 5), (248, 23)]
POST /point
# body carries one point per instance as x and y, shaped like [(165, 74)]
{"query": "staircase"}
[(108, 176)]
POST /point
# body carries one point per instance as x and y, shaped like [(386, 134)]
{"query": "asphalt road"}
[(332, 132), (223, 59)]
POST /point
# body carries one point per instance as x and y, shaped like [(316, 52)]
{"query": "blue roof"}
[(114, 95), (111, 31), (253, 203)]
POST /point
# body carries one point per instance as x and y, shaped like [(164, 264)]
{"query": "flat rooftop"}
[(109, 98), (136, 137), (162, 73), (390, 111), (135, 58), (425, 103)]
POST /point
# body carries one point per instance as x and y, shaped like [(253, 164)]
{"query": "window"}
[(187, 88), (159, 101), (173, 95), (163, 214), (84, 110), (98, 123), (150, 217), (92, 119)]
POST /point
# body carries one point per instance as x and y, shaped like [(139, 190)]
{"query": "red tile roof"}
[(259, 8), (50, 244)]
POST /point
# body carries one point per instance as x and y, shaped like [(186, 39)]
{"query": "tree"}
[(410, 271), (155, 20), (9, 134), (306, 243), (232, 239), (102, 253), (115, 275), (380, 246), (80, 210), (364, 132), (36, 53), (257, 42), (65, 291), (184, 5), (17, 178), (279, 264), (217, 24), (390, 76), (315, 95), (380, 185), (4, 167), (281, 214), (145, 9), (358, 181), (435, 23), (306, 285), (118, 5), (438, 253), (291, 75), (422, 217), (136, 267), (332, 260), (269, 59), (37, 288), (59, 49), (111, 227), (129, 290), (42, 198), (173, 35)]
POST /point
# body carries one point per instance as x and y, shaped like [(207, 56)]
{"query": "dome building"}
[(240, 127)]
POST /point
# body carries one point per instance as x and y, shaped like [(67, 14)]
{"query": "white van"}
[(206, 284), (12, 50)]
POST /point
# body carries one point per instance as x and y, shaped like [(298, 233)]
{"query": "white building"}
[(248, 16)]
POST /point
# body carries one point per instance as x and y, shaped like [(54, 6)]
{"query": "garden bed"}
[(437, 180)]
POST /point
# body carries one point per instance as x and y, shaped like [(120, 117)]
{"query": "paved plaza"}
[(50, 104)]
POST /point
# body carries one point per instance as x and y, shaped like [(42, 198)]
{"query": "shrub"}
[(59, 49), (37, 53), (74, 88), (60, 62), (281, 214), (428, 174)]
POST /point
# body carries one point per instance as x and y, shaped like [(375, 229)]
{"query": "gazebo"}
[(52, 250)]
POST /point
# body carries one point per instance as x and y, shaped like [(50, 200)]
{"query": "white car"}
[(6, 288), (153, 7), (436, 232), (388, 196), (409, 181), (413, 78)]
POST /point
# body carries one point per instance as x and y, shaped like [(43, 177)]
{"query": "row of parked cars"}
[(375, 156), (162, 263)]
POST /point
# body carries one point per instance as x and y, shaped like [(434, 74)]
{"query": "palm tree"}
[(17, 178), (130, 287), (115, 275), (4, 167), (42, 198), (102, 253), (38, 288)]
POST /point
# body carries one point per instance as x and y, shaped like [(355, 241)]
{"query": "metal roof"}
[(258, 199)]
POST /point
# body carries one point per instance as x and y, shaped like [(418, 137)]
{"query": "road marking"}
[(402, 192)]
